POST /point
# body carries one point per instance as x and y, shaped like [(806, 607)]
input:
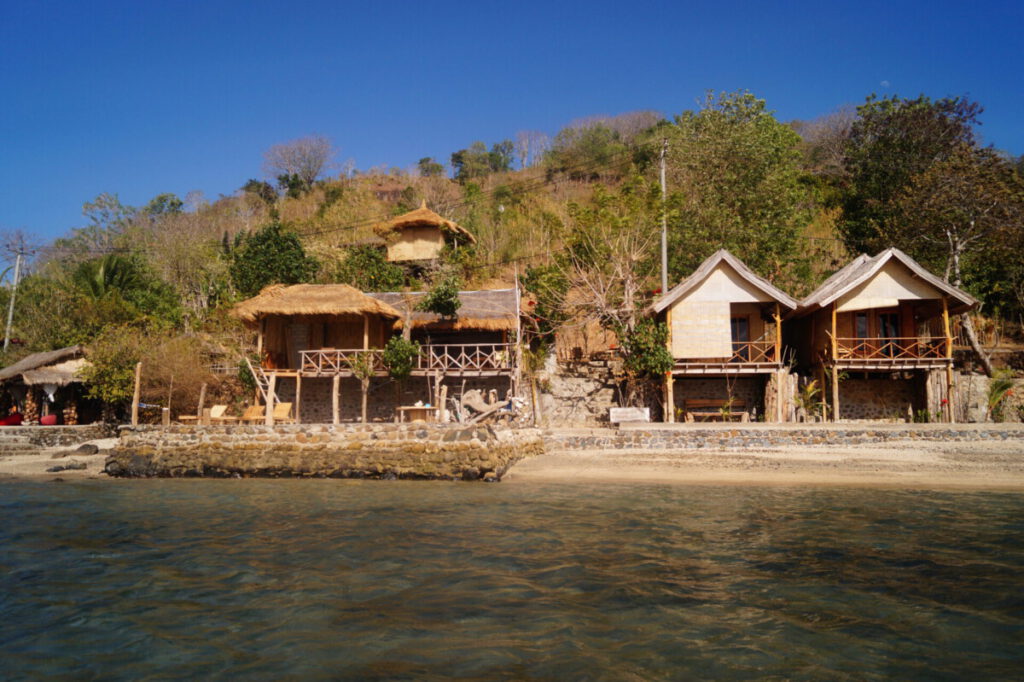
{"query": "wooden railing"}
[(753, 351), (339, 361), (891, 349), (465, 357)]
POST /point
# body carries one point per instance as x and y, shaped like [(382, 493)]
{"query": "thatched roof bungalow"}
[(47, 383), (492, 310), (420, 235)]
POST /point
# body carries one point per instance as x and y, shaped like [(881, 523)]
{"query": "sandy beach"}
[(35, 465), (909, 464)]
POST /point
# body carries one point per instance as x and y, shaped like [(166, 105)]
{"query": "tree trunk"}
[(955, 248)]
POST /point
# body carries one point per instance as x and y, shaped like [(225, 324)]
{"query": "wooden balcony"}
[(748, 357), (492, 359), (890, 353)]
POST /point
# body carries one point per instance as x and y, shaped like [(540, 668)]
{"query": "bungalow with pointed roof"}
[(879, 331), (420, 235), (47, 384), (725, 334)]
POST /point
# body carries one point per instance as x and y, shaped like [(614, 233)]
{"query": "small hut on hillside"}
[(48, 383), (420, 235)]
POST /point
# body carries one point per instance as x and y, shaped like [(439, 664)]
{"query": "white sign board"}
[(617, 415)]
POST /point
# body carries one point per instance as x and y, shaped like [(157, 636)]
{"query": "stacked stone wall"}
[(577, 393), (423, 451), (880, 399), (61, 436), (748, 389)]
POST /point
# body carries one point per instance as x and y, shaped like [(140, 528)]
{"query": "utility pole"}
[(664, 223), (14, 290)]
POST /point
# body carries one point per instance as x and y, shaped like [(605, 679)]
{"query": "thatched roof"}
[(61, 374), (424, 216), (708, 266), (489, 310), (311, 299), (38, 361), (863, 267)]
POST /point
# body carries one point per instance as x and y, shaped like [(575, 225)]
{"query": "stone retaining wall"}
[(60, 436), (755, 437), (435, 451)]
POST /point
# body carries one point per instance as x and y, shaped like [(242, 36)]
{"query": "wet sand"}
[(35, 465), (909, 464)]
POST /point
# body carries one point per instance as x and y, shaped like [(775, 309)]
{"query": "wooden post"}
[(165, 416), (778, 334), (950, 414), (366, 331), (298, 397), (259, 340), (336, 399), (442, 410), (269, 418), (781, 380), (136, 394), (835, 393), (670, 398), (835, 341), (202, 401)]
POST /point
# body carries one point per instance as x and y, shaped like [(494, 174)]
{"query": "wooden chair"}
[(254, 414), (283, 413), (218, 415)]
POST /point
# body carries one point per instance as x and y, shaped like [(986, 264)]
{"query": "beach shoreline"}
[(896, 464)]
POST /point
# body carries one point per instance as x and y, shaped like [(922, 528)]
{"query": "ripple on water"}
[(371, 580)]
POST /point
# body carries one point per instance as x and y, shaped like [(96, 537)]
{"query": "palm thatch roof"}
[(61, 374), (489, 310), (708, 266), (863, 267), (55, 363), (311, 299), (424, 216)]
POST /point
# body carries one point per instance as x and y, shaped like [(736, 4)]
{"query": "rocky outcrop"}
[(387, 451)]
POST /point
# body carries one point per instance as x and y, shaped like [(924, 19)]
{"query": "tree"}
[(269, 256), (164, 204), (429, 168), (587, 152), (892, 141), (530, 147), (476, 162), (366, 268), (261, 189), (305, 158), (963, 207), (734, 171), (443, 298)]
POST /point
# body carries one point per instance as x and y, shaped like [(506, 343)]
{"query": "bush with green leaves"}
[(269, 256), (443, 298), (399, 356), (646, 349), (367, 269)]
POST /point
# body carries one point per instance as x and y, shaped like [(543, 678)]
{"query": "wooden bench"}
[(703, 410)]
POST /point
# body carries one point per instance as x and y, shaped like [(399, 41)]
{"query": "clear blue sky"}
[(143, 97)]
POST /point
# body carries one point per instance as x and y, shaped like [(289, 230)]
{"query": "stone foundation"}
[(748, 389), (577, 393), (880, 398), (417, 451), (60, 436)]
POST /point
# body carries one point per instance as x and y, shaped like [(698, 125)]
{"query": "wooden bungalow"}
[(725, 335), (879, 332), (420, 235), (46, 386), (314, 333)]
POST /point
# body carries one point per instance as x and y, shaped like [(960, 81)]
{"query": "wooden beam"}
[(136, 394), (366, 331), (950, 415), (298, 398), (259, 340), (336, 399), (945, 327), (202, 402), (269, 416)]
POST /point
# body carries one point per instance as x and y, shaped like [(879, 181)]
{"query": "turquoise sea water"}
[(259, 579)]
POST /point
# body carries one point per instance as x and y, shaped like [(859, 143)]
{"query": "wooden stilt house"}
[(420, 235), (725, 335), (877, 334)]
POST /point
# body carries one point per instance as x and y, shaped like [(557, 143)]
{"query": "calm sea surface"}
[(261, 579)]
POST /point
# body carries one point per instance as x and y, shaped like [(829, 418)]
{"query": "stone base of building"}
[(390, 451)]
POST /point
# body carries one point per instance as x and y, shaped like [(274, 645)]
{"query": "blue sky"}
[(143, 97)]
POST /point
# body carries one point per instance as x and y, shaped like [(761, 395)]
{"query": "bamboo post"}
[(136, 393), (366, 331), (269, 415), (165, 416), (335, 399), (835, 341), (259, 340), (442, 411), (202, 401), (950, 414), (835, 393), (298, 397)]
